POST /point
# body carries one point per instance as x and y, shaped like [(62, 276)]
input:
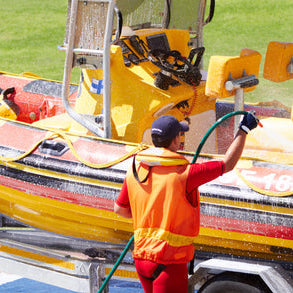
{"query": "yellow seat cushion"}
[(278, 57), (221, 68), (62, 121)]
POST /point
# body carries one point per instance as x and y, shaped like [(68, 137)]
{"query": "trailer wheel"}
[(232, 283)]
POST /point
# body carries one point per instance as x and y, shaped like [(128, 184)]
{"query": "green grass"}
[(31, 30)]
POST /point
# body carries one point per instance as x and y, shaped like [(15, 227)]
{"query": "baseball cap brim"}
[(184, 126)]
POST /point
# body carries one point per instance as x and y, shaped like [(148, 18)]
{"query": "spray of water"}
[(275, 136), (273, 141)]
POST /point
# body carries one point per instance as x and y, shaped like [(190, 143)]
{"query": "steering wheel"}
[(174, 63), (170, 61)]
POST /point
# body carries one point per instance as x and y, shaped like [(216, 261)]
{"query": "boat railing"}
[(88, 37)]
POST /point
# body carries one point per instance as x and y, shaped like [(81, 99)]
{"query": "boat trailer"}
[(75, 265), (62, 262)]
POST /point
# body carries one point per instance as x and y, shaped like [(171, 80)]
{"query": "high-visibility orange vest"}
[(165, 223)]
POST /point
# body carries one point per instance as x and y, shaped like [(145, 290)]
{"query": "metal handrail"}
[(70, 50), (80, 50)]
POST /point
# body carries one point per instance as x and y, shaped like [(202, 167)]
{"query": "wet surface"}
[(15, 284)]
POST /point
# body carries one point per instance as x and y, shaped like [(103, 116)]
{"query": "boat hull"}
[(65, 196)]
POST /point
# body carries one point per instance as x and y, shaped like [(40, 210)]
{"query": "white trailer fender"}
[(274, 276)]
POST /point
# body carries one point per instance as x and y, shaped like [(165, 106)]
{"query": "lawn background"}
[(31, 30)]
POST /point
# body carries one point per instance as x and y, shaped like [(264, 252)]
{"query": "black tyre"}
[(234, 283)]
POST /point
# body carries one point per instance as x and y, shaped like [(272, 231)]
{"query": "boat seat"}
[(225, 68), (279, 63), (61, 121), (279, 57)]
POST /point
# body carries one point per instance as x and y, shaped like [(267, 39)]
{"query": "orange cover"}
[(278, 57)]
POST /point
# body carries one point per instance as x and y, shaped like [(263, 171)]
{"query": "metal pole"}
[(69, 54), (106, 72), (238, 106)]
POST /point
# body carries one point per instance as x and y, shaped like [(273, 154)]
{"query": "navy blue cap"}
[(167, 127)]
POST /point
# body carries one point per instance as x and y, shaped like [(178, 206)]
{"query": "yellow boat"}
[(63, 163)]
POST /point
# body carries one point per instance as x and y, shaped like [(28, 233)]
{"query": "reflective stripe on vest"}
[(171, 238)]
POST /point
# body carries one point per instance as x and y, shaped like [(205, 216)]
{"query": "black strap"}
[(135, 172), (191, 267), (156, 272)]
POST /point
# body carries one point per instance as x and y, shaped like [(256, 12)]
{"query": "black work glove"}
[(248, 122)]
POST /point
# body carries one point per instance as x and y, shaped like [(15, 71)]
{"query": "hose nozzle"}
[(256, 118)]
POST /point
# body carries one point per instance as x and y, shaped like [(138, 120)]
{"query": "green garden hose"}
[(216, 124), (116, 264)]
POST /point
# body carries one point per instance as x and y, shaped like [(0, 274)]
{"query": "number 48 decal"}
[(283, 183)]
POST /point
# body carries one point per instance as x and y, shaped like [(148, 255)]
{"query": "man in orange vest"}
[(161, 195)]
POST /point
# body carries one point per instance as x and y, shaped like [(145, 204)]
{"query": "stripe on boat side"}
[(64, 218), (63, 189)]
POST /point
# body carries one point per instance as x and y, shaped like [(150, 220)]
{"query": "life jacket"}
[(165, 223)]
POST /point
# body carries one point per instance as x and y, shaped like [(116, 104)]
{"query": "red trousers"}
[(173, 279)]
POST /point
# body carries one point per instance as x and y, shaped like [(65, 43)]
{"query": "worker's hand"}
[(248, 122)]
